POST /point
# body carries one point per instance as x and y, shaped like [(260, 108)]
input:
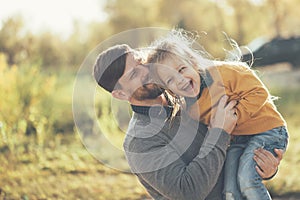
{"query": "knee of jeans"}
[(229, 196), (247, 176), (245, 182)]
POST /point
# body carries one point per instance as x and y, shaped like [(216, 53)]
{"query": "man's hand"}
[(267, 162), (225, 116)]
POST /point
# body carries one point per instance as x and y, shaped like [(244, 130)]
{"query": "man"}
[(173, 156)]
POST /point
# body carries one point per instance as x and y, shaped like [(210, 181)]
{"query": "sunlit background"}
[(43, 43), (55, 16)]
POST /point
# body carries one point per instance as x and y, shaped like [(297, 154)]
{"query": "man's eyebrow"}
[(131, 73), (128, 74)]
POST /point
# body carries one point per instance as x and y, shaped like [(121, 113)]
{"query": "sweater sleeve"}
[(178, 179), (242, 82)]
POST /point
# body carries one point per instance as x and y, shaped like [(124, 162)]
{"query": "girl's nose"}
[(180, 79)]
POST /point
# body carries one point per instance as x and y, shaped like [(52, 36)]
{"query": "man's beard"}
[(148, 91)]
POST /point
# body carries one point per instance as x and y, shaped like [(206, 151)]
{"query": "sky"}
[(53, 15)]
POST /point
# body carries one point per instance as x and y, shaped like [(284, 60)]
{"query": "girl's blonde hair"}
[(178, 44), (181, 45)]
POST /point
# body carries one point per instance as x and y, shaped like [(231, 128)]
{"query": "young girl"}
[(202, 82)]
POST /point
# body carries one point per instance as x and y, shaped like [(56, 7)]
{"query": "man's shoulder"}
[(144, 132), (142, 126)]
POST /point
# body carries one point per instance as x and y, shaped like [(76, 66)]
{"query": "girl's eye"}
[(169, 81), (181, 69)]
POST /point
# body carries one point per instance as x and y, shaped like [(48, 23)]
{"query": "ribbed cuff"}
[(224, 137)]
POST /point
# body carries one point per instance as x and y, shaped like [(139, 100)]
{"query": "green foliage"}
[(289, 106), (241, 20), (26, 104), (64, 171), (285, 85), (10, 36)]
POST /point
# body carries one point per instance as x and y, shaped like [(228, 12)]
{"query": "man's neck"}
[(160, 100)]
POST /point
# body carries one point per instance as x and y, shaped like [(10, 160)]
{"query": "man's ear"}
[(119, 94)]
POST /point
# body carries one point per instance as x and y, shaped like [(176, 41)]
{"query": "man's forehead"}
[(130, 59), (131, 65), (127, 72)]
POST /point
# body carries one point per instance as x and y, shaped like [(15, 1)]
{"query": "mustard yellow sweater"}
[(255, 110)]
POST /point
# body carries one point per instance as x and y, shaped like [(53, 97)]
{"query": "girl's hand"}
[(225, 116)]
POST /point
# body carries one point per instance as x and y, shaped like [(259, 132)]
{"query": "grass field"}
[(286, 85), (63, 169)]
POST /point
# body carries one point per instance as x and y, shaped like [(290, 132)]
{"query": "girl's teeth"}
[(188, 87)]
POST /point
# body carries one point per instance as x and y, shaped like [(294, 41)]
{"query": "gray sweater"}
[(176, 159)]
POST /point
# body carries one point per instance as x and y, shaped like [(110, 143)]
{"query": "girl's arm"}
[(244, 83)]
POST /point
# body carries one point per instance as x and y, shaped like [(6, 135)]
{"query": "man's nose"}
[(145, 79)]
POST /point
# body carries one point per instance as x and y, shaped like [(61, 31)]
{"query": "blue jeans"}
[(241, 179)]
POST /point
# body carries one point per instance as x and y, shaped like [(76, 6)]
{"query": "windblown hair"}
[(178, 45), (181, 45)]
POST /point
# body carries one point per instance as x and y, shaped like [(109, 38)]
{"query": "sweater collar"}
[(206, 81), (155, 110)]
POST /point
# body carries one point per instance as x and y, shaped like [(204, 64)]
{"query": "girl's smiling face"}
[(180, 77)]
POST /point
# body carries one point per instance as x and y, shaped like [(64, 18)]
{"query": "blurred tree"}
[(243, 11), (21, 46), (84, 39), (97, 33), (76, 46), (123, 16), (51, 50), (290, 21), (11, 35), (191, 15), (284, 17), (242, 20), (274, 4)]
